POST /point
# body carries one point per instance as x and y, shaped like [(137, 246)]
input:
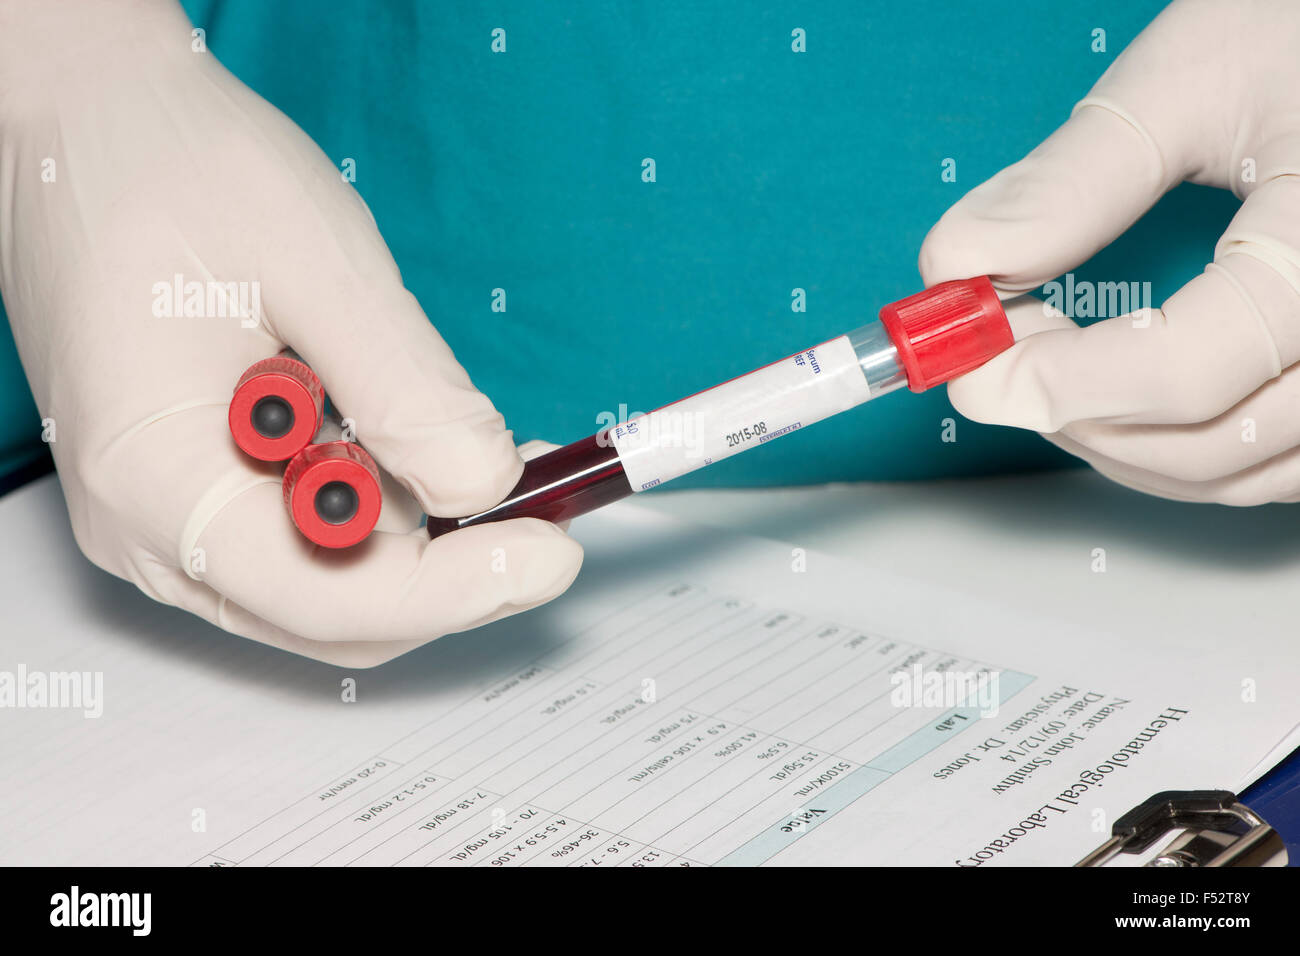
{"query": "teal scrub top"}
[(774, 170)]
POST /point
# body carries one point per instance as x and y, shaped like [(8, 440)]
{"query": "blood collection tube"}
[(332, 493), (277, 408), (921, 341), (331, 489)]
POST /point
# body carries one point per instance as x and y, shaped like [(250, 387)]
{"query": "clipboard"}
[(1213, 828)]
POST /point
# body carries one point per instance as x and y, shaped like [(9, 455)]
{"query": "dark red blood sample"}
[(935, 335), (555, 487)]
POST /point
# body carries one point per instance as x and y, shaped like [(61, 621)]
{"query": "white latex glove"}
[(1209, 93), (164, 164)]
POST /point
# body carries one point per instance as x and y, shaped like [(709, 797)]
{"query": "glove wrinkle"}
[(1108, 105), (1248, 300), (209, 505)]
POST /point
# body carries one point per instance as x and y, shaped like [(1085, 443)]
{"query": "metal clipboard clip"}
[(1217, 830)]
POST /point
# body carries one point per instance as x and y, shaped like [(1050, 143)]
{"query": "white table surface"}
[(1029, 540)]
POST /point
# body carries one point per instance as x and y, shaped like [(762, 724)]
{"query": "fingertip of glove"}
[(454, 477), (1018, 388), (941, 257), (552, 561), (533, 560), (991, 397)]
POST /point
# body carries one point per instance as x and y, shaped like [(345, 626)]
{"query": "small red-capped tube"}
[(921, 341), (277, 408), (332, 493)]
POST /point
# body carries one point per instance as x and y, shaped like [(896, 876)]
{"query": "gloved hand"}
[(1197, 400), (128, 159)]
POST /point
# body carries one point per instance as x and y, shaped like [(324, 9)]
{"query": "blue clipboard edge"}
[(1276, 797)]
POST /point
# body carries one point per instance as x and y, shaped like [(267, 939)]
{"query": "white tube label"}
[(740, 414)]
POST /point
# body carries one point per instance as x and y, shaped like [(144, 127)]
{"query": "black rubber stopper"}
[(337, 502), (272, 417)]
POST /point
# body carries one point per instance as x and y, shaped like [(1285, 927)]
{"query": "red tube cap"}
[(332, 493), (277, 408), (947, 330)]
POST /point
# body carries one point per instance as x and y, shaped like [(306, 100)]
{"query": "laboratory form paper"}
[(698, 698)]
